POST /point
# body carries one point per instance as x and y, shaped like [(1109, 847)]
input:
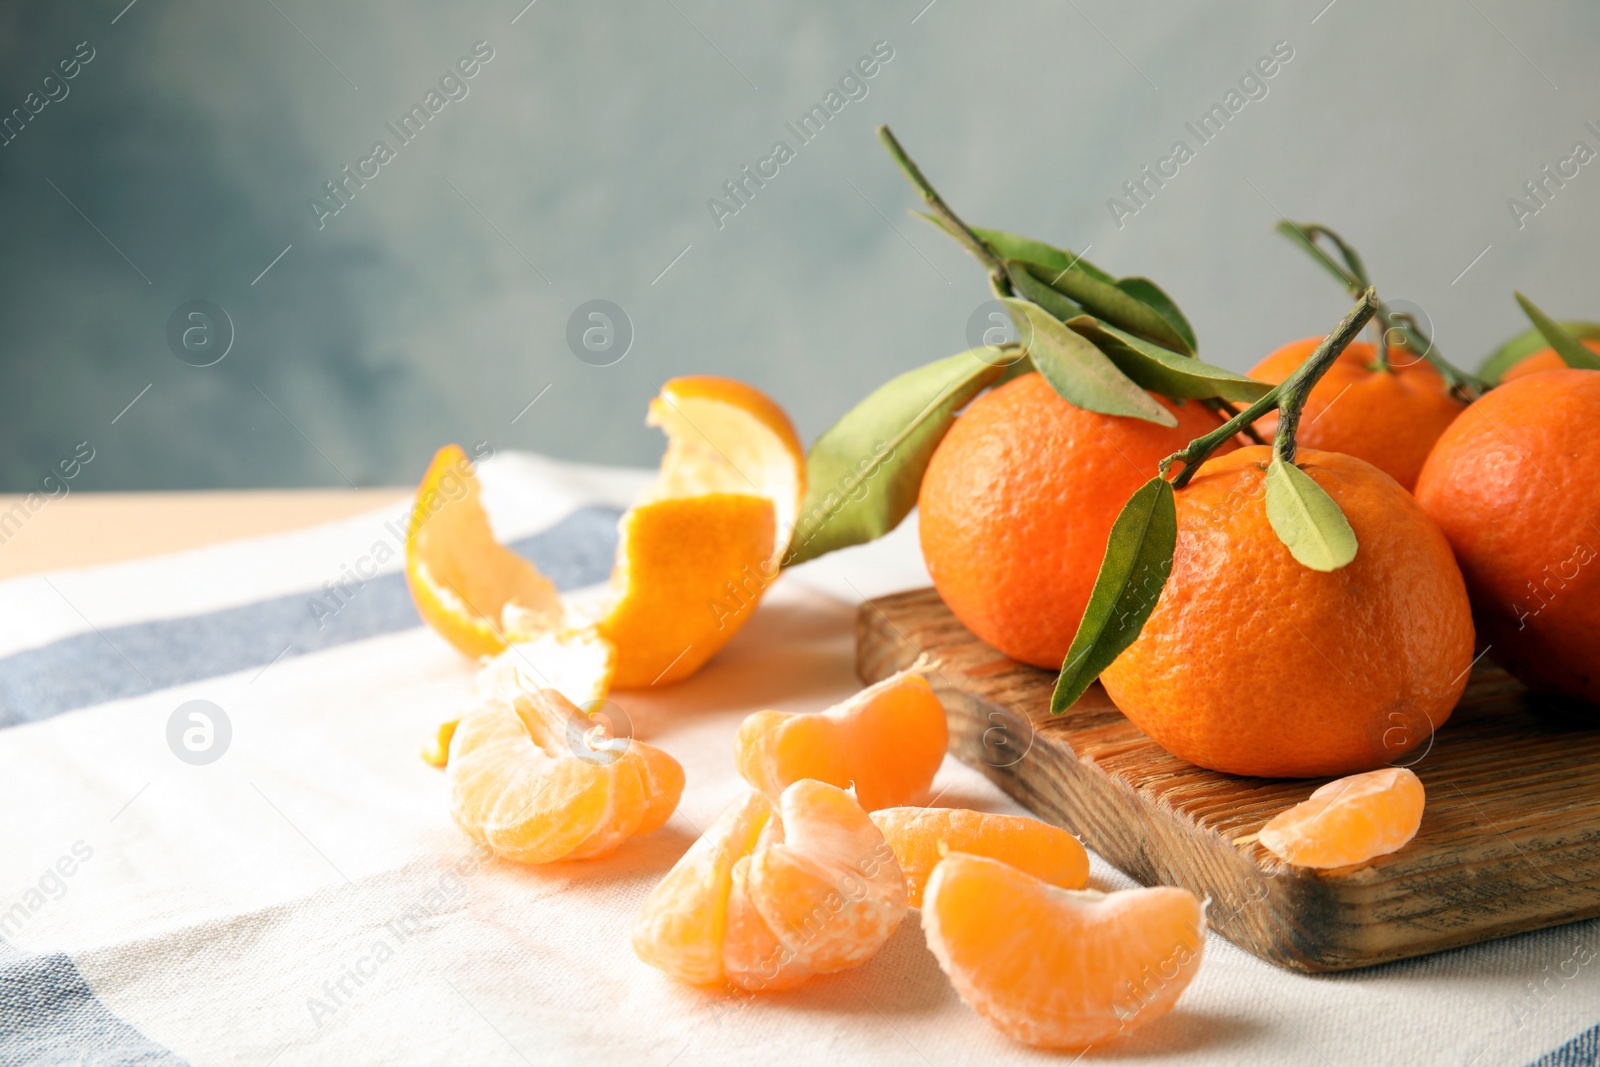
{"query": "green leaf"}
[(864, 472), (1079, 371), (1151, 295), (1015, 246), (1352, 275), (1132, 574), (1306, 519), (1037, 291), (1105, 301), (1011, 246), (1571, 350), (1526, 344), (1165, 372)]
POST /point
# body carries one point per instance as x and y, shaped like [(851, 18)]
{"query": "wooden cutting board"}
[(1510, 839)]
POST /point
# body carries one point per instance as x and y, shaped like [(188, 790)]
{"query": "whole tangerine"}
[(1513, 486), (1251, 663), (1018, 501), (1390, 418), (1543, 359)]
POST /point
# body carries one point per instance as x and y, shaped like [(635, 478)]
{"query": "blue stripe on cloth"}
[(143, 657), (1581, 1051), (49, 1015)]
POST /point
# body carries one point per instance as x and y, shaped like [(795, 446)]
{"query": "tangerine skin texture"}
[(1542, 360), (1253, 664), (1349, 820), (1513, 485), (1060, 968), (1017, 503), (1389, 420)]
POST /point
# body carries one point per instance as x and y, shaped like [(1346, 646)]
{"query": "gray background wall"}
[(434, 307)]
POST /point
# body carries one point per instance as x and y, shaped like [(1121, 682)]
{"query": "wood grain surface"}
[(1510, 839)]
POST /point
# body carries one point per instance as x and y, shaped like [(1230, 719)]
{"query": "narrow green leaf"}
[(1011, 246), (1306, 519), (864, 472), (1023, 281), (1352, 274), (1166, 372), (1079, 371), (1105, 301), (1015, 246), (1571, 350), (1132, 574), (1526, 344), (1151, 294)]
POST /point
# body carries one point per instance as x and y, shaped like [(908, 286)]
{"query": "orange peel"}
[(694, 554)]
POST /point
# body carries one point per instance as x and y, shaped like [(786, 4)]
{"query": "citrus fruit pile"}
[(1287, 574)]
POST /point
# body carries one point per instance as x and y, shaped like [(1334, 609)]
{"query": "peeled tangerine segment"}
[(578, 664), (1059, 968), (1349, 820), (887, 741), (531, 780), (921, 837), (775, 892)]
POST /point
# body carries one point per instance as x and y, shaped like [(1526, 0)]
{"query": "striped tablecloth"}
[(305, 898)]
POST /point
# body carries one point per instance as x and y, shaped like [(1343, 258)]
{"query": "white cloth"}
[(306, 899)]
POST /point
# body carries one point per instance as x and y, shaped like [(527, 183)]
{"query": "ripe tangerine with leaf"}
[(1253, 663), (1388, 414), (1512, 484), (1017, 503), (1543, 359)]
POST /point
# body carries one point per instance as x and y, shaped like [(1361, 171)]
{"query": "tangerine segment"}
[(1349, 820), (461, 578), (680, 928), (774, 893), (689, 573), (921, 837), (1059, 968), (578, 664), (527, 780), (888, 741)]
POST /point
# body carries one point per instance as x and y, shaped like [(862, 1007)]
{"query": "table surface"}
[(84, 529)]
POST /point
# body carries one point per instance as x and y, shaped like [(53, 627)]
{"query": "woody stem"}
[(1297, 387), (959, 229), (1288, 397)]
